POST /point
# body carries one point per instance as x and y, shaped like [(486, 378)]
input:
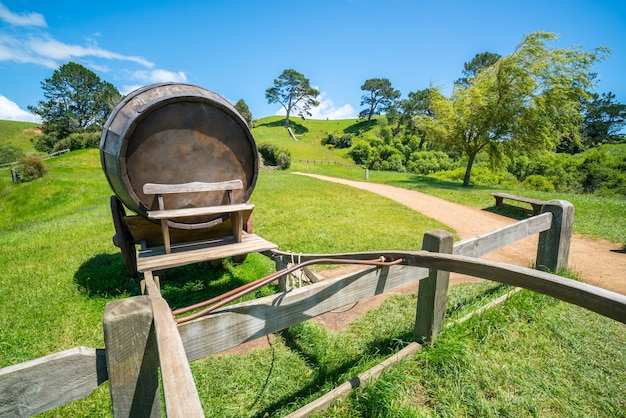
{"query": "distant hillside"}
[(309, 134), (271, 129), (18, 134)]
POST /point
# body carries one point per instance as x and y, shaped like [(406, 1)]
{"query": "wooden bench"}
[(163, 215), (535, 203)]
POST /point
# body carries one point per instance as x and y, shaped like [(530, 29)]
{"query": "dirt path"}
[(597, 262)]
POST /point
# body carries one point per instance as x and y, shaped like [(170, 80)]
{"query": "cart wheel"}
[(123, 237)]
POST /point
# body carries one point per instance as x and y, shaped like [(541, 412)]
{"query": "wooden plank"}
[(39, 385), (519, 198), (132, 357), (155, 258), (250, 320), (179, 390), (501, 237), (596, 299), (196, 186), (362, 380), (209, 210)]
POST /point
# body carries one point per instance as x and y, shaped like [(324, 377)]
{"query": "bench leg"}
[(166, 236), (236, 219)]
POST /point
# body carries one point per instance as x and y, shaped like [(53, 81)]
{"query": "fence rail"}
[(44, 156), (139, 338)]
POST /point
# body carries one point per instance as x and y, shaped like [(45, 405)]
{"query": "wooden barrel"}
[(177, 133)]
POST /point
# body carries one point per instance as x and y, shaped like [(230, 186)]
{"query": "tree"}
[(525, 102), (478, 63), (294, 92), (416, 105), (76, 101), (244, 111), (380, 98), (604, 120)]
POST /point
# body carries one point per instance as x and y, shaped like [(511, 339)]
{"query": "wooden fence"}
[(141, 336)]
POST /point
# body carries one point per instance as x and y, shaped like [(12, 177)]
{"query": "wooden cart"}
[(184, 163)]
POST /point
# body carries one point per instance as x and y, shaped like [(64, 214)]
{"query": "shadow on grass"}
[(295, 126), (328, 373), (105, 275), (359, 127)]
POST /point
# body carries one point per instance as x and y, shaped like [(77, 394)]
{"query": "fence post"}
[(554, 244), (433, 291), (132, 357)]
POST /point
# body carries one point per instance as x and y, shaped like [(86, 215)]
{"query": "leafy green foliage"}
[(275, 156), (79, 140), (244, 111), (76, 101), (10, 154), (380, 96), (32, 167), (523, 103), (294, 92), (338, 141)]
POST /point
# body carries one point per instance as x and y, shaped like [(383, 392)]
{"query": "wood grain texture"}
[(192, 187), (153, 259), (179, 390), (48, 382)]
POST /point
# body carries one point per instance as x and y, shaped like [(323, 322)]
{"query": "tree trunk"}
[(287, 119), (468, 169)]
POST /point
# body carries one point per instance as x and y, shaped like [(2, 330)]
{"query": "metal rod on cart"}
[(229, 296)]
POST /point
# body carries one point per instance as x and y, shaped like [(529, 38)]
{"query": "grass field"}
[(533, 356)]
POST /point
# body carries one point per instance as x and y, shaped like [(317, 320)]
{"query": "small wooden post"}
[(281, 264), (433, 291), (132, 357), (554, 244)]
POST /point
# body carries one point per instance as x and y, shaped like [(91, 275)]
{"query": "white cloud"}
[(53, 49), (11, 111), (26, 19), (154, 76), (327, 109)]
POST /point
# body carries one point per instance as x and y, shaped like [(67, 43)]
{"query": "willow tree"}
[(523, 103)]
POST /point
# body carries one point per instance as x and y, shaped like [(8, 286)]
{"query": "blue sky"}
[(237, 48)]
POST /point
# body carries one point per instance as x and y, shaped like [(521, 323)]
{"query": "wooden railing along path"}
[(141, 336)]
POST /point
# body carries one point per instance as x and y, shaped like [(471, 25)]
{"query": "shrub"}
[(10, 154), (33, 167), (274, 156), (538, 182), (79, 140), (428, 162), (481, 175), (336, 141)]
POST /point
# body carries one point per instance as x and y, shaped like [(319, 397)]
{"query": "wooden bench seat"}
[(155, 258), (234, 210), (535, 203)]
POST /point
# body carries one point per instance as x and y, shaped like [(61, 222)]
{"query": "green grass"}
[(18, 134), (595, 217), (309, 134), (533, 357)]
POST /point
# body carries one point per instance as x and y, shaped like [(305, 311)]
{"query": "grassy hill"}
[(309, 134), (18, 134)]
